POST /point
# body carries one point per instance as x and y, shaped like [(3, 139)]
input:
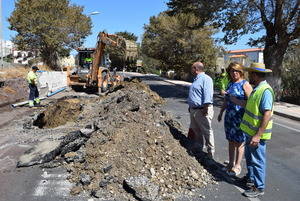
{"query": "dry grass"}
[(9, 90), (13, 72)]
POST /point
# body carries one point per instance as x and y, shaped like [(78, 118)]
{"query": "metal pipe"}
[(55, 92), (50, 94), (24, 103)]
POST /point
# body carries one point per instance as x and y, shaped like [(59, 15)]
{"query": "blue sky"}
[(115, 15)]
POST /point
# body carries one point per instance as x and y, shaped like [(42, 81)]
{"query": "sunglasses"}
[(233, 70)]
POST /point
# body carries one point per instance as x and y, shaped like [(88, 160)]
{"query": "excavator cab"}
[(85, 60), (93, 65)]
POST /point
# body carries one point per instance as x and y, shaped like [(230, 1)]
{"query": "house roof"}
[(247, 50), (237, 56)]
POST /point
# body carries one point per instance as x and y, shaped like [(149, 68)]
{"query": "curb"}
[(275, 112), (287, 116)]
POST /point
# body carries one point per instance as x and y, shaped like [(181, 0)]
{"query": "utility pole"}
[(1, 37)]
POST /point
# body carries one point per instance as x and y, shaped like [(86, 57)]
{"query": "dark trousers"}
[(34, 93)]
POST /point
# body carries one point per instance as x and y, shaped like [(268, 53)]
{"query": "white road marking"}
[(60, 176), (54, 184), (294, 129), (7, 145), (39, 191)]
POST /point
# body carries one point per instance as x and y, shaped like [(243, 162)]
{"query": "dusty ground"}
[(136, 151), (13, 86)]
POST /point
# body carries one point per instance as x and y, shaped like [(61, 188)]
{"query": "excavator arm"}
[(103, 40)]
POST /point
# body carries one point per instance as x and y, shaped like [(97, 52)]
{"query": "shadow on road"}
[(212, 166)]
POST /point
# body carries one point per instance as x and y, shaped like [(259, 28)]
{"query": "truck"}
[(92, 70)]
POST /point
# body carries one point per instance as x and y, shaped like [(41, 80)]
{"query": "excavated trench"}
[(63, 111)]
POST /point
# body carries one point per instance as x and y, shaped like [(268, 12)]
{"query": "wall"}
[(53, 80)]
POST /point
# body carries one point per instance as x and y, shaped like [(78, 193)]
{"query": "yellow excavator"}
[(92, 70)]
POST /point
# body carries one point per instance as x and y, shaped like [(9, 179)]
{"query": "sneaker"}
[(210, 156), (253, 192), (247, 182)]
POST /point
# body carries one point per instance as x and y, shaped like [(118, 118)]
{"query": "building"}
[(19, 57), (7, 48), (22, 57), (67, 61), (245, 56)]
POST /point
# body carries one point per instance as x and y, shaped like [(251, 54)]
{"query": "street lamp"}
[(1, 36), (94, 13)]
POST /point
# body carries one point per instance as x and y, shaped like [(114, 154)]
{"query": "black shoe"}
[(253, 192), (247, 182)]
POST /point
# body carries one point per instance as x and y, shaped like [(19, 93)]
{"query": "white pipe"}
[(24, 103)]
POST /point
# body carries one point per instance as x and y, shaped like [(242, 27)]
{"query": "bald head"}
[(197, 67)]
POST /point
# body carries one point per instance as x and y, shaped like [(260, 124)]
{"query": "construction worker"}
[(87, 62), (224, 81), (88, 59), (32, 83)]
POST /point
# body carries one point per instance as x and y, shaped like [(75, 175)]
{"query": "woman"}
[(240, 89)]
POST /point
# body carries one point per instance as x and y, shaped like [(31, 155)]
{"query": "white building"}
[(245, 56), (67, 61), (22, 57)]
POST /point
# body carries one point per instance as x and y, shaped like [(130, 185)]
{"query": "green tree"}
[(291, 75), (150, 65), (279, 18), (127, 35), (170, 40), (52, 27)]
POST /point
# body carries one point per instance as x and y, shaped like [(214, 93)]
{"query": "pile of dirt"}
[(136, 148), (13, 90), (123, 146), (13, 86)]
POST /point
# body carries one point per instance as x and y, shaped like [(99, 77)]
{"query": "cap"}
[(34, 68)]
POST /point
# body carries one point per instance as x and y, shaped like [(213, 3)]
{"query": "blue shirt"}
[(266, 102), (201, 91)]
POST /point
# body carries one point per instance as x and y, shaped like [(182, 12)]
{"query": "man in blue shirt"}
[(201, 109)]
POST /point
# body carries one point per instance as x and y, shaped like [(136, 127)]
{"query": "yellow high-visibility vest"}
[(31, 78), (252, 117)]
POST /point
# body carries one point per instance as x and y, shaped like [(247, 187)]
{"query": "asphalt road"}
[(283, 172), (283, 150)]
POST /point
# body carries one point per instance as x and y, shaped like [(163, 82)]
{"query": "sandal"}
[(234, 172), (226, 168)]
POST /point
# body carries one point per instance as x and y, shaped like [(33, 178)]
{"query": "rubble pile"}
[(13, 86), (13, 90), (123, 146), (133, 150)]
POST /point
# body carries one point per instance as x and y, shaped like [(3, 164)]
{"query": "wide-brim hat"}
[(258, 67)]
